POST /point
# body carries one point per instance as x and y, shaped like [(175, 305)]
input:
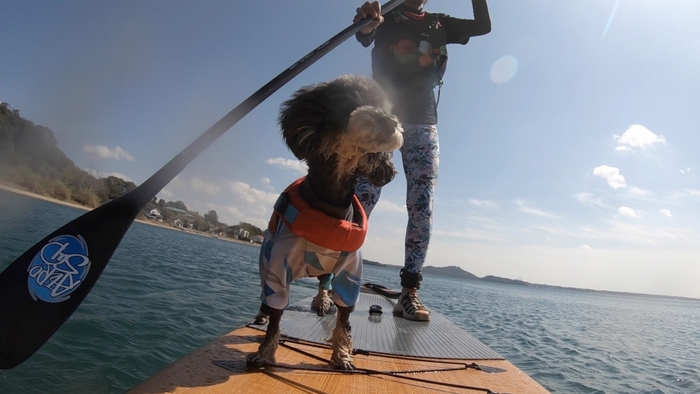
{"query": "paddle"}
[(45, 285)]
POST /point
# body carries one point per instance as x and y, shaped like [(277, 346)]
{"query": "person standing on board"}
[(408, 60)]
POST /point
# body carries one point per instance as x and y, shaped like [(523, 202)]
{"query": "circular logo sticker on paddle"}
[(58, 269)]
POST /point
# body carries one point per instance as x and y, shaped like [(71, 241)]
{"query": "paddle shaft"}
[(42, 288)]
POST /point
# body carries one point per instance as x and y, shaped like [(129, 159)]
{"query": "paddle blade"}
[(46, 284)]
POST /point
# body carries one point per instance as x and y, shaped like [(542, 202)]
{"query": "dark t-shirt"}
[(410, 55)]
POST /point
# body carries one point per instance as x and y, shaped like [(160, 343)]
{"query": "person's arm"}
[(482, 18), (374, 10), (459, 30)]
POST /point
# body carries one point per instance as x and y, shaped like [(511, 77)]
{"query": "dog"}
[(344, 130)]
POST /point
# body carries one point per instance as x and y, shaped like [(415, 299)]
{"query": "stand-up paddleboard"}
[(393, 355)]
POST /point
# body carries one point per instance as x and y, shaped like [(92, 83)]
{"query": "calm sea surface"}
[(166, 293)]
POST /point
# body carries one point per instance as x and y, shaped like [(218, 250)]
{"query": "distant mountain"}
[(455, 272), (377, 264), (491, 278), (452, 271)]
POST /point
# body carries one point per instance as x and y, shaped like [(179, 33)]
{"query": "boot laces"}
[(415, 301)]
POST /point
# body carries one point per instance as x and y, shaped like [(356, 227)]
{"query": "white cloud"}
[(611, 175), (165, 194), (249, 204), (233, 216), (627, 211), (588, 199), (267, 183), (625, 231), (637, 136), (386, 206), (524, 208), (105, 152), (483, 203), (471, 235), (294, 165), (484, 223), (177, 183), (200, 185), (685, 170), (666, 212), (640, 192), (234, 211), (251, 195), (585, 247), (688, 194)]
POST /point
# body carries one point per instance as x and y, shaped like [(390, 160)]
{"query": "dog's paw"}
[(343, 364), (321, 303), (261, 319), (257, 360), (341, 344)]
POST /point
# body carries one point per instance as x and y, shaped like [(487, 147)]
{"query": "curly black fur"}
[(315, 126)]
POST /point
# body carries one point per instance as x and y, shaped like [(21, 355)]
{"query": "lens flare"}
[(504, 69)]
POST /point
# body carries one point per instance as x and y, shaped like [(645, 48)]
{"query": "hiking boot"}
[(410, 307)]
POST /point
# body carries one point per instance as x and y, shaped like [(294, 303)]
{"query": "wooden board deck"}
[(416, 367)]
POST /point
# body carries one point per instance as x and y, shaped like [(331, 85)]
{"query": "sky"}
[(568, 135)]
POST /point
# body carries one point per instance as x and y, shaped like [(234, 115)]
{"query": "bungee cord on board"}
[(402, 374)]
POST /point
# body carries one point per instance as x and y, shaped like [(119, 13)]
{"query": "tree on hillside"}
[(250, 228), (113, 187), (212, 217), (30, 158), (178, 204)]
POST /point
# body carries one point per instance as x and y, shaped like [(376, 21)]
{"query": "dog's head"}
[(345, 123)]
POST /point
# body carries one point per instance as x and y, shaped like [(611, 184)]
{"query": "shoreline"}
[(13, 189)]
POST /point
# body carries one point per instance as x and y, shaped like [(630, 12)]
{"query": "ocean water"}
[(166, 293)]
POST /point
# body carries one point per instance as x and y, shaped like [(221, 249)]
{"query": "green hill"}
[(31, 160)]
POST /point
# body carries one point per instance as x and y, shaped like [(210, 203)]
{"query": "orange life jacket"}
[(316, 226)]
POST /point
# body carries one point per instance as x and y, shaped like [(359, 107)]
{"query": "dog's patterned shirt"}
[(293, 257)]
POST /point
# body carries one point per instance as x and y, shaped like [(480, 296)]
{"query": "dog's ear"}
[(377, 167), (301, 119)]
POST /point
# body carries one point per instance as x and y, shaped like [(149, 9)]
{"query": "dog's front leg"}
[(322, 302), (260, 319), (341, 343), (266, 352)]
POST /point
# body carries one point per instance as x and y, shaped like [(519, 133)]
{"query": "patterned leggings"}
[(420, 154)]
